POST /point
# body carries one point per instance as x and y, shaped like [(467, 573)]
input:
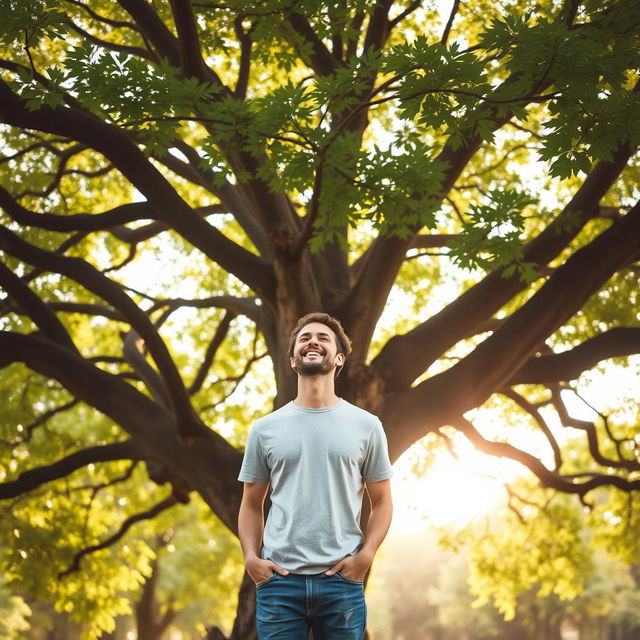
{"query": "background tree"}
[(182, 180), (15, 612)]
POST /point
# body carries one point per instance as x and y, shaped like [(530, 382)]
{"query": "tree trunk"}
[(151, 625), (244, 627)]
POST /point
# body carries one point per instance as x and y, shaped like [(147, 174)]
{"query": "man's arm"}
[(250, 528), (355, 567)]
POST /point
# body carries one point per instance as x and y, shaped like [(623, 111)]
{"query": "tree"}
[(281, 157)]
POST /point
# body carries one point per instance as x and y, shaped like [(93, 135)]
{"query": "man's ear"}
[(292, 362), (340, 359)]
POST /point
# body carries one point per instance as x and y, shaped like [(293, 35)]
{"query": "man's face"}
[(315, 351)]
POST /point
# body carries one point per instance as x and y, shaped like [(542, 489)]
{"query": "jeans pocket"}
[(269, 579), (349, 580)]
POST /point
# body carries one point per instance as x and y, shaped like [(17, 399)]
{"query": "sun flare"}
[(451, 492)]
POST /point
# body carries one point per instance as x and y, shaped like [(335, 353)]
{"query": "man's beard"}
[(320, 367)]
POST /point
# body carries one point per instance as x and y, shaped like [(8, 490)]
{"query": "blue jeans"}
[(332, 606)]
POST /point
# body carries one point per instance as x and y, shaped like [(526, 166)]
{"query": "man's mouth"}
[(312, 353)]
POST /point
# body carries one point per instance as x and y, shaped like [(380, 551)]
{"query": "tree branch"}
[(82, 307), (244, 38), (432, 240), (591, 432), (230, 195), (378, 28), (120, 215), (64, 156), (237, 378), (130, 50), (568, 365), (35, 308), (238, 306), (126, 525), (132, 350), (534, 412), (218, 338), (368, 296), (416, 4), (547, 478), (118, 24), (618, 442), (34, 478), (452, 17), (40, 420), (150, 24), (191, 59), (356, 27), (322, 60)]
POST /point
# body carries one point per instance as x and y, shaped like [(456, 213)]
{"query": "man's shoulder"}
[(272, 417), (360, 413)]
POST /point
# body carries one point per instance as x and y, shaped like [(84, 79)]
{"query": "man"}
[(317, 453)]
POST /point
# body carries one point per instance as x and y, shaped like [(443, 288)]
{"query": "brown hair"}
[(343, 343)]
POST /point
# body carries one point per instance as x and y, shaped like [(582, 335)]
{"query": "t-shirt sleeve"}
[(377, 465), (254, 465)]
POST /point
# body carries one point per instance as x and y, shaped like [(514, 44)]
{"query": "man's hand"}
[(353, 567), (260, 570)]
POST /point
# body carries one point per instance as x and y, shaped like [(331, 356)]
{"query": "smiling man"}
[(318, 453)]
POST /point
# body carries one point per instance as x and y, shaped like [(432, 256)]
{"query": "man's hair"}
[(343, 343)]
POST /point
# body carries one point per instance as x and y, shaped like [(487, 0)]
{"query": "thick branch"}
[(378, 28), (35, 308), (432, 240), (322, 60), (29, 480), (193, 64), (132, 350), (568, 365), (244, 38), (233, 200), (154, 29), (78, 222), (356, 28)]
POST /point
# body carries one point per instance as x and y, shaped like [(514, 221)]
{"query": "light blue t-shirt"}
[(317, 461)]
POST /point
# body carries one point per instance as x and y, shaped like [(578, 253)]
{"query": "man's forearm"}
[(250, 530), (377, 526)]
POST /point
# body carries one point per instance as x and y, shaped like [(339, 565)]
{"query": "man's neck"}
[(316, 392)]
